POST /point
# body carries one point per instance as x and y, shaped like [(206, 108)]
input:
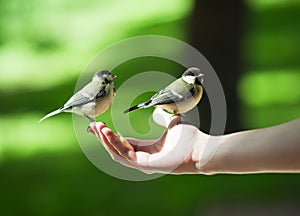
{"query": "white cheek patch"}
[(189, 79)]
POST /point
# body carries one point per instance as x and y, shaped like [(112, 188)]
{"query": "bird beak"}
[(201, 78), (114, 76)]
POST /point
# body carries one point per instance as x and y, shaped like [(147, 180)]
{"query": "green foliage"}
[(269, 89), (43, 47)]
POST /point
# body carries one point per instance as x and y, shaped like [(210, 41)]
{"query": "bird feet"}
[(89, 118)]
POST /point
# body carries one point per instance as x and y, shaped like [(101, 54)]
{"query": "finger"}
[(93, 127), (161, 117), (141, 143), (96, 127), (114, 154), (125, 141), (90, 130), (118, 145), (149, 146), (109, 148)]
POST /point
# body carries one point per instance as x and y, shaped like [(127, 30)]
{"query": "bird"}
[(180, 96), (93, 99)]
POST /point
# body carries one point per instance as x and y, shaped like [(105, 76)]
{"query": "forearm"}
[(267, 150)]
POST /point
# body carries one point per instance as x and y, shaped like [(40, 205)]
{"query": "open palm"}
[(176, 151)]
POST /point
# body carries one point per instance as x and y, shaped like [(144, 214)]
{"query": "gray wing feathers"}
[(169, 95), (86, 95), (165, 96)]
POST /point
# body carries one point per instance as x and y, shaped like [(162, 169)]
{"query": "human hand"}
[(177, 151)]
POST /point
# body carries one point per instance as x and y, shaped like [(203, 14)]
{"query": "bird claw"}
[(89, 118)]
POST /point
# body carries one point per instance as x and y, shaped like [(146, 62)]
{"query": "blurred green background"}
[(44, 45)]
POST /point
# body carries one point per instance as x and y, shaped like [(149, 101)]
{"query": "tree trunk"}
[(216, 31)]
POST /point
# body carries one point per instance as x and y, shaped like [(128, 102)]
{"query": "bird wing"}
[(166, 96), (84, 96), (174, 93)]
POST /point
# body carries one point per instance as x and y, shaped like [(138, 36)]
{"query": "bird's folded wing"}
[(82, 97), (166, 96)]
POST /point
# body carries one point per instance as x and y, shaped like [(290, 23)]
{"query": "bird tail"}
[(51, 114), (139, 106)]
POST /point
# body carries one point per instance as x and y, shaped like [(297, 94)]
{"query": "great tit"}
[(180, 96), (93, 99)]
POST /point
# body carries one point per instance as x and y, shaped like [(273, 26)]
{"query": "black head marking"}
[(101, 73), (193, 74), (193, 71)]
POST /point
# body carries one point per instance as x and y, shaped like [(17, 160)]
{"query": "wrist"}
[(230, 154), (207, 154)]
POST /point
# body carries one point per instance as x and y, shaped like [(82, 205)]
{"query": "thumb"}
[(161, 117), (165, 119)]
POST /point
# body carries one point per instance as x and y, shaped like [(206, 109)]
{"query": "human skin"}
[(184, 149)]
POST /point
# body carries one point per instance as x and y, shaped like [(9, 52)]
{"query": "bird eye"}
[(190, 73)]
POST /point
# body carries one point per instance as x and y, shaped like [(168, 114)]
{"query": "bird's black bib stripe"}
[(101, 93), (193, 91)]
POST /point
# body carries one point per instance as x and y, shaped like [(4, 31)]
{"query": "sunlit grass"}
[(263, 88)]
